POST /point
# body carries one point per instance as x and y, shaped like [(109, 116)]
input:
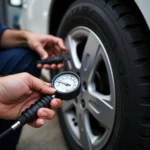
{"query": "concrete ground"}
[(48, 137)]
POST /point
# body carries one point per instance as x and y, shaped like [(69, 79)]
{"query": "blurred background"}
[(9, 15), (48, 137)]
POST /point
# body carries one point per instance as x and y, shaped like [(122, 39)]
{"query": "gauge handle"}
[(30, 114), (52, 60)]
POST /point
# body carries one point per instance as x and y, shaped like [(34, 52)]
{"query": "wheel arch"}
[(57, 11), (59, 8)]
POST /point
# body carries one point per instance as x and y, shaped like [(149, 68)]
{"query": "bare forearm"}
[(14, 38)]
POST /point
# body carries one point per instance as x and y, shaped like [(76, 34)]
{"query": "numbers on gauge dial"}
[(66, 83)]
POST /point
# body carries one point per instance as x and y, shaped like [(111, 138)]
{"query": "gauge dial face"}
[(66, 83)]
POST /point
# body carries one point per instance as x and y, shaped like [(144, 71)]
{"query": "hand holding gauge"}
[(67, 85)]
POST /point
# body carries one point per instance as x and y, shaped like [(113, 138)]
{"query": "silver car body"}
[(36, 14), (144, 6)]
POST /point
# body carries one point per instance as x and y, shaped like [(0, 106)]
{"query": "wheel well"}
[(60, 7), (58, 11)]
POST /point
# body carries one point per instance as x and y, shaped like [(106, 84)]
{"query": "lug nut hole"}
[(84, 85), (83, 103)]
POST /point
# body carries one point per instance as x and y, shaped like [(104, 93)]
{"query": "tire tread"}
[(139, 42)]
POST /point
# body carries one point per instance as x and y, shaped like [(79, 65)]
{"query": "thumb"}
[(42, 52), (40, 86)]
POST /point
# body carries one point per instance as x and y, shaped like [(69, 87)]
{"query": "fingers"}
[(60, 66), (61, 44), (41, 51), (37, 84), (37, 123), (56, 103), (39, 66), (58, 41), (46, 113), (53, 66)]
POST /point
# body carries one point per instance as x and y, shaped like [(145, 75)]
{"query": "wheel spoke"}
[(84, 136), (68, 105), (91, 55), (73, 63), (101, 110), (109, 73)]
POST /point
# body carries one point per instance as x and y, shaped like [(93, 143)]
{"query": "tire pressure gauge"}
[(67, 85)]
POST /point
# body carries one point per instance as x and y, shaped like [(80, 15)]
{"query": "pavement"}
[(48, 137)]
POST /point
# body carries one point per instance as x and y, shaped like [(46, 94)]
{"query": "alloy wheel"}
[(90, 117)]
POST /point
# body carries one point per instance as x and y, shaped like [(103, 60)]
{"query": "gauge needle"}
[(66, 84)]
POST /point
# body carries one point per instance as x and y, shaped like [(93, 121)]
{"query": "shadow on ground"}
[(48, 137)]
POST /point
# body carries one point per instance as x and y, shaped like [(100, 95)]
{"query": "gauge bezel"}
[(67, 95)]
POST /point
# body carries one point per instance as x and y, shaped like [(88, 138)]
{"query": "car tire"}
[(127, 46)]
